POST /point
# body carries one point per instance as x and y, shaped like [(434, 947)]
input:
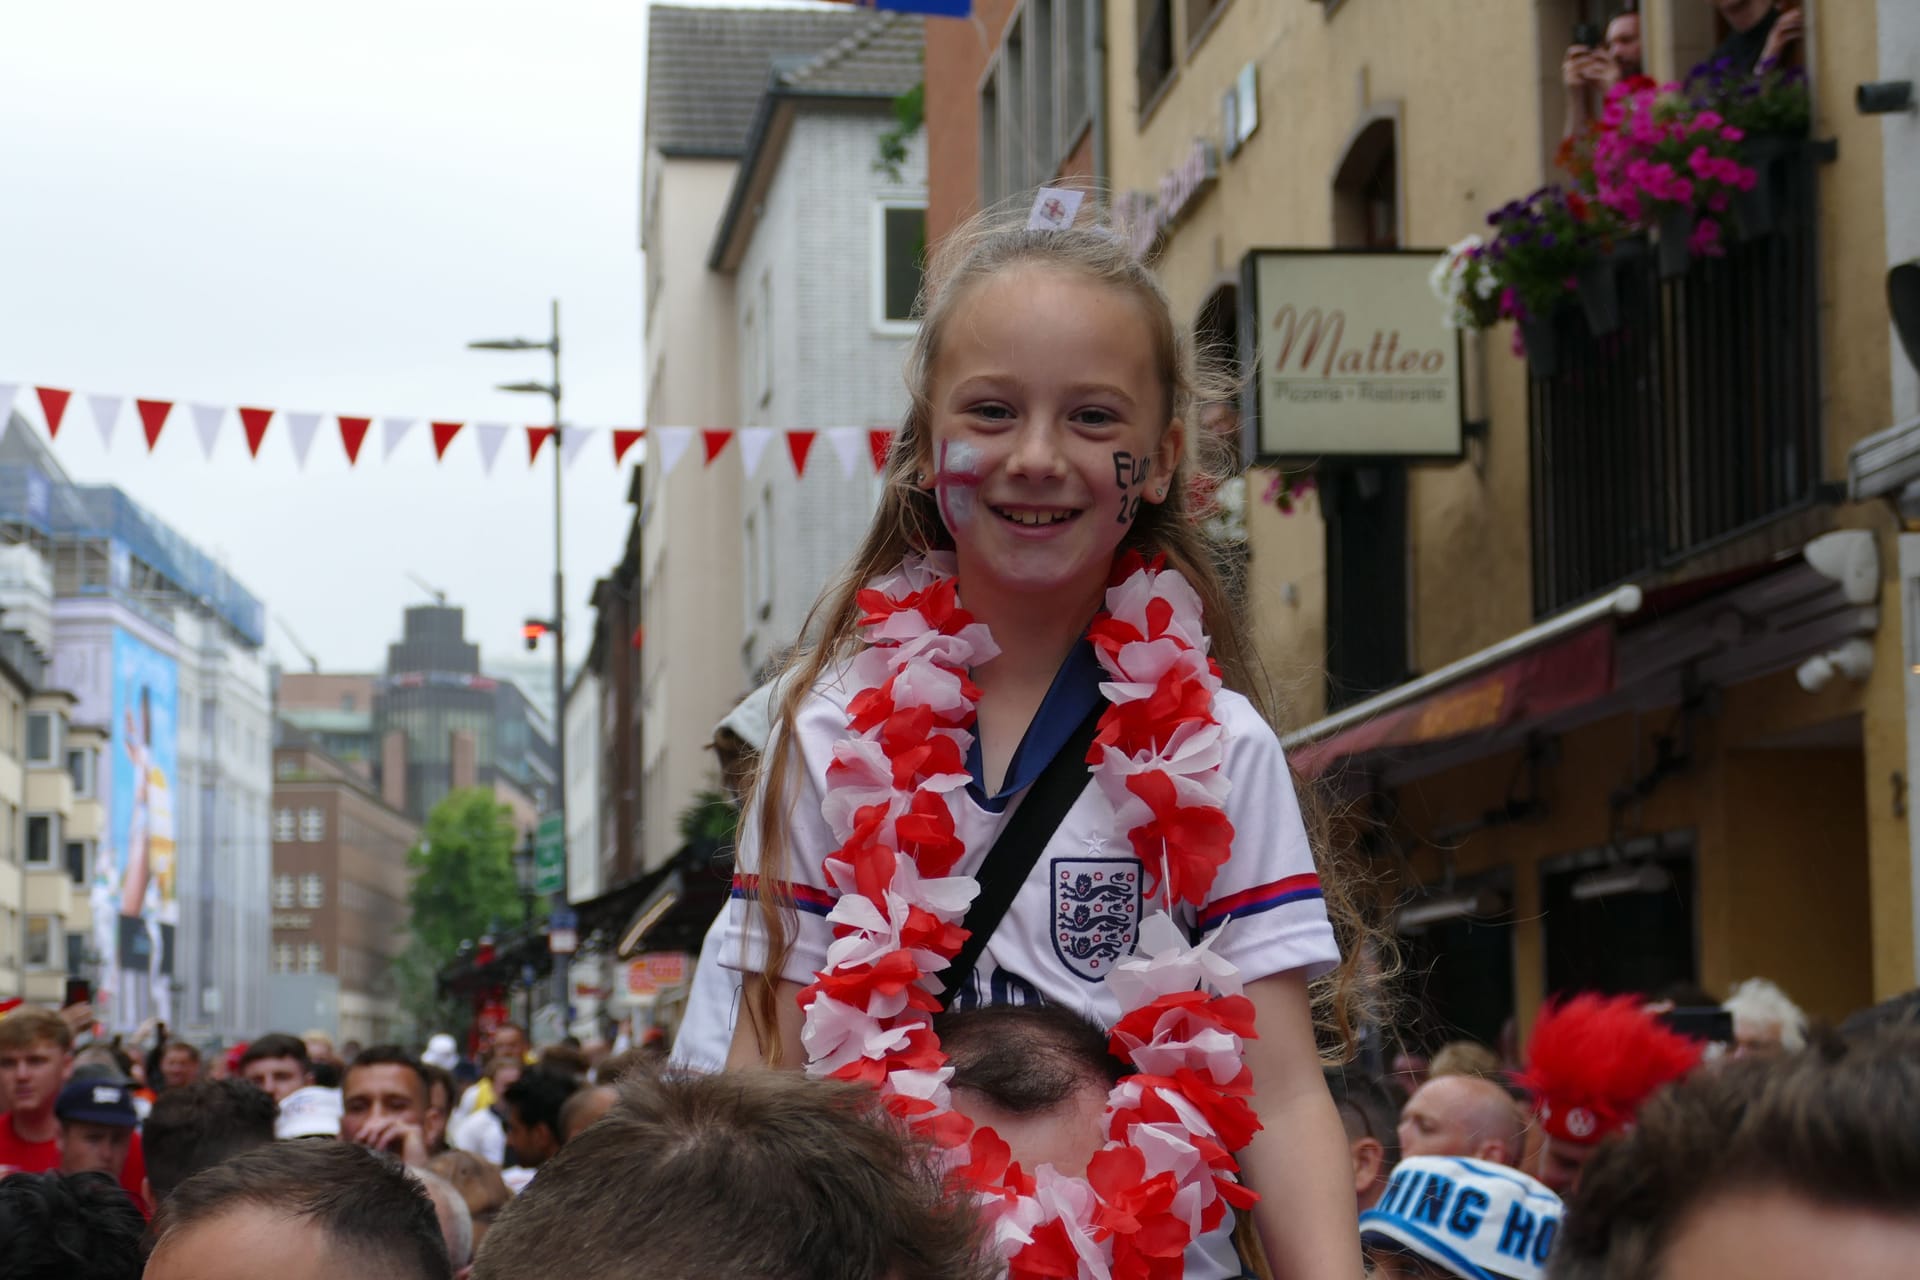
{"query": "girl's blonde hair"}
[(908, 522)]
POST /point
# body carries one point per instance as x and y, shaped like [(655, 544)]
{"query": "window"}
[(43, 938), (42, 839), (1033, 103), (80, 769), (312, 957), (1153, 68), (79, 860), (902, 250), (313, 825), (283, 957), (1199, 14), (313, 891), (283, 892), (283, 825), (41, 733)]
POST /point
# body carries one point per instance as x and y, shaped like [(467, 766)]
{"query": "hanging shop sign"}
[(1351, 358), (650, 974), (1145, 217), (1240, 111)]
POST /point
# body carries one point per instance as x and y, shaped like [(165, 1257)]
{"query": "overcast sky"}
[(314, 207)]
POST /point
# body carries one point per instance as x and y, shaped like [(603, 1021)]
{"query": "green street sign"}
[(549, 855)]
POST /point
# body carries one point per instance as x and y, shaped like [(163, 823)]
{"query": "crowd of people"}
[(1619, 1148)]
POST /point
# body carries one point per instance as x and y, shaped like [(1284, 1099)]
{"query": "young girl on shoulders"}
[(1033, 569)]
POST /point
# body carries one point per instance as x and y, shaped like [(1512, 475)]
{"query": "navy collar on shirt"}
[(1071, 697)]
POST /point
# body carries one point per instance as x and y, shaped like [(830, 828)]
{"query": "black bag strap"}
[(1014, 854)]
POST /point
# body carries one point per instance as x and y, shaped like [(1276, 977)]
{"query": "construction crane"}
[(439, 596), (313, 663)]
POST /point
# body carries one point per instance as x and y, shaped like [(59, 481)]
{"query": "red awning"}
[(1557, 676)]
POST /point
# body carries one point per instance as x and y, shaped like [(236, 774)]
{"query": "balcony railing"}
[(1693, 422)]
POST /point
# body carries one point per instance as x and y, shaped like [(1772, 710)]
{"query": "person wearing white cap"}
[(442, 1052), (309, 1112), (1450, 1216)]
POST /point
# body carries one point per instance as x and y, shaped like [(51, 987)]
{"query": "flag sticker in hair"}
[(1054, 209)]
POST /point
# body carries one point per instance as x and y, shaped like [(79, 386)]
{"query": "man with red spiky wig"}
[(1592, 1062)]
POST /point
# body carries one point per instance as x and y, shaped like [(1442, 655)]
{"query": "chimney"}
[(393, 769), (466, 763)]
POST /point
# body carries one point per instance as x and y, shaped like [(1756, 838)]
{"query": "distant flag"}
[(392, 432), (673, 442), (8, 390), (301, 429), (206, 425), (106, 413), (443, 434), (353, 434), (879, 442), (536, 436), (255, 423), (799, 445), (572, 441), (153, 418), (53, 403), (491, 436), (624, 438), (714, 441), (851, 444), (753, 446)]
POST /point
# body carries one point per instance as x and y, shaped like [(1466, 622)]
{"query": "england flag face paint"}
[(956, 484)]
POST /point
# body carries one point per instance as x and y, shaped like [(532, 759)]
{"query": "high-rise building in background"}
[(160, 649), (440, 724)]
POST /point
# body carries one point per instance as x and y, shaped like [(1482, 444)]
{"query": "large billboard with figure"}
[(136, 906)]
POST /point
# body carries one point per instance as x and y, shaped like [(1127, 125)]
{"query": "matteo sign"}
[(1351, 356)]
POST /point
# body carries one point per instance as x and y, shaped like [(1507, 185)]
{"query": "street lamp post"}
[(523, 875), (561, 978)]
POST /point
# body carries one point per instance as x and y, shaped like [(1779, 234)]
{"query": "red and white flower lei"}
[(1167, 1173)]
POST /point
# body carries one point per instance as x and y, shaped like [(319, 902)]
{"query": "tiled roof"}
[(884, 58), (706, 68)]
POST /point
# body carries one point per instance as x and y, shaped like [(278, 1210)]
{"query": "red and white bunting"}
[(799, 445), (53, 403), (878, 442), (624, 438), (490, 435), (392, 432), (443, 434), (8, 392), (353, 434), (254, 422), (753, 447), (153, 419), (536, 437), (572, 441), (106, 414), (714, 442), (851, 444), (206, 425), (301, 429), (674, 443)]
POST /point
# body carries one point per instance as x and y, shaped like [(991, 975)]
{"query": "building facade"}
[(339, 892), (706, 72), (335, 711), (824, 243), (584, 757), (1614, 719), (160, 651)]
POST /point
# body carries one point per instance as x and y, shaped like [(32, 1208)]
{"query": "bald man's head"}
[(1463, 1116)]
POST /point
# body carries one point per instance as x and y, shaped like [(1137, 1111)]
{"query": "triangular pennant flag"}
[(53, 403), (443, 434), (714, 442), (8, 391), (392, 432), (673, 442), (106, 414), (753, 446), (206, 425), (153, 418), (302, 428), (491, 436), (799, 445), (353, 434), (625, 438), (255, 422), (573, 440), (851, 444), (879, 442), (536, 436)]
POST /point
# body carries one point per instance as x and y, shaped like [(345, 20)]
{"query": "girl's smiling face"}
[(1048, 430)]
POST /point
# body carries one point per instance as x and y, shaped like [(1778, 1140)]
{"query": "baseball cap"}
[(97, 1102), (1471, 1218), (441, 1052), (312, 1111)]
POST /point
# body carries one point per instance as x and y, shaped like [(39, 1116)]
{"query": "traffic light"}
[(533, 629)]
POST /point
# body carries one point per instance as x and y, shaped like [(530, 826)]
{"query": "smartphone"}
[(1588, 35), (1710, 1023), (79, 991)]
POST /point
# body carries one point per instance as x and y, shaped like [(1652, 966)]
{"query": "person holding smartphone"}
[(1595, 62)]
